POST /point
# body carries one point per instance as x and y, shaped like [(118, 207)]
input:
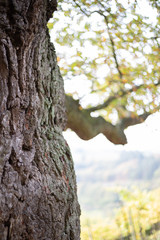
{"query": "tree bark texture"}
[(38, 197)]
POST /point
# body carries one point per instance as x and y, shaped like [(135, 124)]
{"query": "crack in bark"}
[(7, 225)]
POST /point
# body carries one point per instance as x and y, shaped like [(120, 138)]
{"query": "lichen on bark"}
[(38, 197)]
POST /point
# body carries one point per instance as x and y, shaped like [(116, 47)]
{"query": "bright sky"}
[(142, 137)]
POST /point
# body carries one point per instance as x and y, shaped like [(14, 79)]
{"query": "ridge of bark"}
[(38, 198)]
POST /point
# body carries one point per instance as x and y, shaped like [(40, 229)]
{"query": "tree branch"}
[(121, 93), (87, 127), (108, 29), (113, 49), (134, 120), (117, 95), (112, 44), (85, 13)]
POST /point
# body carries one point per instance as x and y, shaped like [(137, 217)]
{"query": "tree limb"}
[(130, 121), (108, 29), (85, 13), (112, 43), (121, 93), (87, 127), (113, 49)]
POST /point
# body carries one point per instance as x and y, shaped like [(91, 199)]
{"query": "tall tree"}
[(113, 48), (38, 188)]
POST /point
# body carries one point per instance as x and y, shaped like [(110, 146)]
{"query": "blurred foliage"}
[(137, 219), (112, 196), (114, 46)]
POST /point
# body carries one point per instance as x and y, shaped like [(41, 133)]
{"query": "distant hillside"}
[(99, 174)]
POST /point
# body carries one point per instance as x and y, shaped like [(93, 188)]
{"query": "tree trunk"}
[(38, 197)]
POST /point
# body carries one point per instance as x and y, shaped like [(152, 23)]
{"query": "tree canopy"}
[(112, 47)]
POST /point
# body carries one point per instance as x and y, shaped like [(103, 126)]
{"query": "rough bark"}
[(38, 187)]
